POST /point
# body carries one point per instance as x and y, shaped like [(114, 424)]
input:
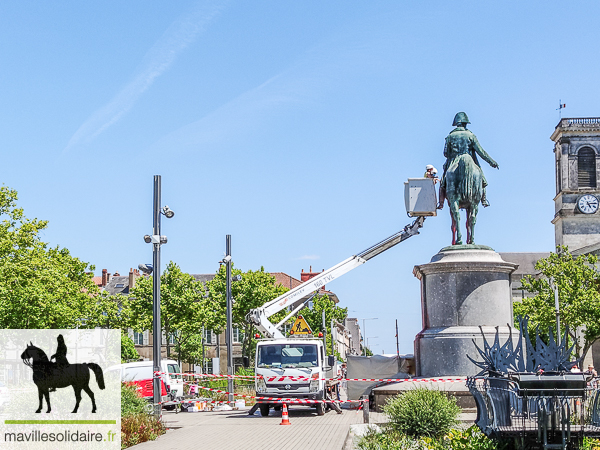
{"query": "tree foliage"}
[(190, 350), (578, 283), (184, 306), (254, 290), (314, 315), (128, 351), (40, 286)]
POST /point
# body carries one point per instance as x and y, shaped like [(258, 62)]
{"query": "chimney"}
[(305, 276), (104, 277), (131, 280)]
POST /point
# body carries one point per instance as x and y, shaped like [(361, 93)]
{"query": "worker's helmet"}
[(460, 117), (429, 166)]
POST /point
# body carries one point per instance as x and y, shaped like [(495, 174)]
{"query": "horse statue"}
[(463, 183), (48, 375)]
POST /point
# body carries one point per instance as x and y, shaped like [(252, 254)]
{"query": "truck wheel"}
[(264, 409), (320, 409)]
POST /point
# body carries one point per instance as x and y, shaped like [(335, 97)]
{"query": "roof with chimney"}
[(118, 284)]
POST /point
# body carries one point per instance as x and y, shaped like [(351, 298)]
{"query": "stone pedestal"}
[(462, 287)]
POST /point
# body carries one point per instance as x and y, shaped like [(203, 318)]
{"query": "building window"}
[(586, 162), (208, 336), (172, 339), (138, 338), (238, 335)]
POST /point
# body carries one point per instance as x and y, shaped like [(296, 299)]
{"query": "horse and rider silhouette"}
[(48, 375)]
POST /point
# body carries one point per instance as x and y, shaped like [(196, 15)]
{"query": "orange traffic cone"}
[(284, 416)]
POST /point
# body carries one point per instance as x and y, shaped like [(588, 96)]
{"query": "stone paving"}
[(236, 430)]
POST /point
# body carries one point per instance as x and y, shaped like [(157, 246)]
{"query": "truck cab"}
[(291, 368)]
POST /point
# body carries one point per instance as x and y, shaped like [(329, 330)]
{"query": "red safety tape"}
[(296, 378), (279, 399)]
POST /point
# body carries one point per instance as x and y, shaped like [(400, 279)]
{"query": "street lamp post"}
[(229, 334), (157, 240), (364, 330), (156, 328), (371, 337)]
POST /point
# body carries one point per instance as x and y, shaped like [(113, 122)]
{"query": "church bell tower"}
[(577, 158)]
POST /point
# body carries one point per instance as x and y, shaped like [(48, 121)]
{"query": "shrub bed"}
[(422, 412), (136, 424), (392, 439)]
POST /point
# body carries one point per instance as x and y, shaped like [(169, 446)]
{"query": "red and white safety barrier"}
[(296, 378), (279, 399)]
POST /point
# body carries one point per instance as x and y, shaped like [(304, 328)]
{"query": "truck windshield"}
[(287, 355)]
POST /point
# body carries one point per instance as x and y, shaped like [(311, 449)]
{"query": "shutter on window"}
[(586, 160), (130, 333), (146, 335)]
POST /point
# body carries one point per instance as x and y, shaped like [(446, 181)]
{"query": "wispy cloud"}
[(303, 84), (157, 60), (307, 257)]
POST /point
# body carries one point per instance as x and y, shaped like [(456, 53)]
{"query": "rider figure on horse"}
[(461, 141), (60, 356)]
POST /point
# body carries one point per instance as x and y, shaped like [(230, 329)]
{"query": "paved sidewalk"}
[(236, 430)]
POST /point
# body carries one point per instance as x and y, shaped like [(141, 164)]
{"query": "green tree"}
[(314, 315), (110, 311), (184, 306), (128, 351), (40, 286), (254, 290), (579, 299), (190, 350)]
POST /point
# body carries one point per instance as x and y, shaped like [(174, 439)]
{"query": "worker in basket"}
[(431, 172)]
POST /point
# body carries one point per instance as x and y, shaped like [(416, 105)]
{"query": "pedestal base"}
[(441, 352), (462, 287)]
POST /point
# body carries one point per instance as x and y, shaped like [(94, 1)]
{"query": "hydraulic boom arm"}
[(260, 316)]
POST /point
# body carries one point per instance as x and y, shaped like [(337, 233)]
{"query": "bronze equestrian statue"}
[(463, 183)]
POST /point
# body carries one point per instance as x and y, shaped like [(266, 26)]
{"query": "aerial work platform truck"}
[(295, 367)]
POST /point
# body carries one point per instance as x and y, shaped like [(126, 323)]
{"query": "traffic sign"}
[(300, 327)]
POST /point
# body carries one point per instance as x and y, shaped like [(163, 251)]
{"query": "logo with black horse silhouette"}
[(49, 376)]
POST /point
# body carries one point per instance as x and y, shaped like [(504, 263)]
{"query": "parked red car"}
[(144, 387)]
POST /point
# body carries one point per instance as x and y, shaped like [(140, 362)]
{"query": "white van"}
[(143, 370)]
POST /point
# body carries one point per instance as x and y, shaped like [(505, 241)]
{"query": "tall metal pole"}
[(229, 331), (324, 333), (397, 342), (557, 314), (364, 331), (156, 328), (364, 339), (332, 336), (203, 356)]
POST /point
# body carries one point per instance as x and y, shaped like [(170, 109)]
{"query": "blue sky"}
[(291, 126)]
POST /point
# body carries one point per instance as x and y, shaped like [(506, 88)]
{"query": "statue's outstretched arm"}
[(481, 152)]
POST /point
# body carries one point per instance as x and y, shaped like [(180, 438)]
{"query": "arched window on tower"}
[(586, 161)]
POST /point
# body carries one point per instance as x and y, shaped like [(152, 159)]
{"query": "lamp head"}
[(167, 212), (146, 268)]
